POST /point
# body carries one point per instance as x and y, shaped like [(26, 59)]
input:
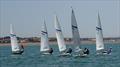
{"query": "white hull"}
[(103, 52), (17, 52), (46, 53), (65, 55), (79, 55)]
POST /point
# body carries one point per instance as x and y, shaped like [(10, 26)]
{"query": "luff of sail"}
[(59, 35), (75, 32), (14, 43), (44, 38), (99, 35)]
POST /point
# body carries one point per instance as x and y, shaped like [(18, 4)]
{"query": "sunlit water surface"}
[(32, 57)]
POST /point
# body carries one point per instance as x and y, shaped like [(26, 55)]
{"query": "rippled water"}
[(32, 58)]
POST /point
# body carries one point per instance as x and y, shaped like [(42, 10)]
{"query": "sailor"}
[(86, 51), (69, 50), (22, 47), (51, 50), (109, 51)]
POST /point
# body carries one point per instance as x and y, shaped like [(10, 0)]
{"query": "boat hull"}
[(80, 54), (46, 53), (17, 52), (65, 55), (103, 52)]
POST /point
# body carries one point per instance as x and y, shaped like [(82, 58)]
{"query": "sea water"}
[(32, 57)]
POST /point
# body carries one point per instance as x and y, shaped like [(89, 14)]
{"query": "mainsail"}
[(59, 35), (44, 38), (75, 32), (14, 43), (99, 35)]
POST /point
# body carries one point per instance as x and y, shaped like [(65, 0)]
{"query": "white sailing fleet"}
[(64, 51)]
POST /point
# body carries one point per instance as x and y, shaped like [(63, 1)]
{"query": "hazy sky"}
[(27, 16)]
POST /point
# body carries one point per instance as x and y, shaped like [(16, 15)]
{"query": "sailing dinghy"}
[(60, 40), (16, 48), (99, 39), (45, 48), (78, 51)]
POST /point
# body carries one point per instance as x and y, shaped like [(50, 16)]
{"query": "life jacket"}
[(86, 51), (51, 50)]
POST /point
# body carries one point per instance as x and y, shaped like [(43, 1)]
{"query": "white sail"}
[(99, 36), (75, 32), (59, 35), (44, 39), (14, 42)]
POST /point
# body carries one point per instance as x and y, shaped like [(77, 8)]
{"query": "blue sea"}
[(32, 57)]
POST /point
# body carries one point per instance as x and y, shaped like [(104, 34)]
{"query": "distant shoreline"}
[(54, 43)]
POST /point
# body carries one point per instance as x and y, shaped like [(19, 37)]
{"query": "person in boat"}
[(108, 51), (22, 47), (69, 50), (51, 50), (86, 51)]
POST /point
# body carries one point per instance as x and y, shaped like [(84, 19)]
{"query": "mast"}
[(11, 29), (59, 35)]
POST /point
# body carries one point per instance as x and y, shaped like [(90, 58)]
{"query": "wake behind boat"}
[(16, 48), (61, 44), (45, 49), (99, 39), (76, 38)]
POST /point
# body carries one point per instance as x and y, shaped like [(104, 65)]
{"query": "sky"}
[(27, 17)]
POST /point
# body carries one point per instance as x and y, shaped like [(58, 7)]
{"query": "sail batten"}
[(99, 35), (59, 35), (44, 38)]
